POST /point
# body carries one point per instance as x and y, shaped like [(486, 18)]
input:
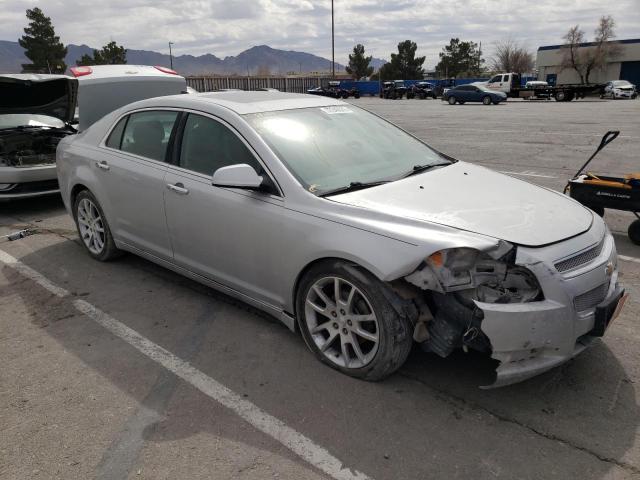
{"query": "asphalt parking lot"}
[(127, 370)]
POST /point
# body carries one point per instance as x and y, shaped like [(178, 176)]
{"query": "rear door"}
[(133, 179), (229, 235)]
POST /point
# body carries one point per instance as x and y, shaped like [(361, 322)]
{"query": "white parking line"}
[(528, 173), (32, 274), (302, 446), (629, 259)]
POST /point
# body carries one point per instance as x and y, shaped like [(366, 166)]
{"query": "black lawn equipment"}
[(599, 192)]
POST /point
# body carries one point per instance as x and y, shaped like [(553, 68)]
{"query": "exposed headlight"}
[(477, 276)]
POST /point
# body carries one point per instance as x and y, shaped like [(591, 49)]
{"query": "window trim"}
[(177, 147)]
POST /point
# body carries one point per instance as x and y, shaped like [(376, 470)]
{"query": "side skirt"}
[(280, 314)]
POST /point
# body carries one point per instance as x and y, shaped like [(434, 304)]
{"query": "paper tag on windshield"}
[(336, 109)]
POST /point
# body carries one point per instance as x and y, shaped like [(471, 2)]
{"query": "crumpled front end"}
[(531, 338), (529, 308)]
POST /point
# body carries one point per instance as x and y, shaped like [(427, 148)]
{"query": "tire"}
[(452, 100), (331, 335), (634, 232), (356, 95), (461, 102), (486, 100), (496, 102), (89, 219), (560, 96)]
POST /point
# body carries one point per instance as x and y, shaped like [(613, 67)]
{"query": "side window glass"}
[(147, 133), (208, 145), (505, 78), (115, 137), (495, 79)]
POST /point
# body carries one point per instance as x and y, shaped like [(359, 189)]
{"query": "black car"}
[(334, 90), (393, 90), (422, 90)]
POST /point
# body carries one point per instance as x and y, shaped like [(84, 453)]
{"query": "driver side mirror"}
[(237, 176)]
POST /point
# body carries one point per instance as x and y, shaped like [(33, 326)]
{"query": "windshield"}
[(330, 147), (13, 120), (621, 83)]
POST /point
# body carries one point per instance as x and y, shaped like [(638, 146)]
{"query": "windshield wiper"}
[(423, 168), (352, 187)]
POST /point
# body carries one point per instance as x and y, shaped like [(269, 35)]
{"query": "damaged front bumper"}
[(531, 338)]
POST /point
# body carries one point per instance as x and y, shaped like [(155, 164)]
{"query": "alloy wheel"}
[(341, 322), (91, 226)]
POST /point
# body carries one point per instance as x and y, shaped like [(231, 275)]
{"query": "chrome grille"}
[(580, 259), (591, 298)]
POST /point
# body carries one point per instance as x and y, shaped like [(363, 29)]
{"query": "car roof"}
[(34, 77), (241, 102)]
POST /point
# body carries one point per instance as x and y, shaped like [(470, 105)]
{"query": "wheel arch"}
[(75, 190), (357, 264)]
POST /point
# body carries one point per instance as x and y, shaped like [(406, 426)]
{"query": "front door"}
[(229, 235)]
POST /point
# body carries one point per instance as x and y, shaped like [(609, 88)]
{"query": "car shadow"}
[(588, 404)]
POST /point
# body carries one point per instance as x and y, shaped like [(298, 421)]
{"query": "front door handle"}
[(102, 165), (178, 188)]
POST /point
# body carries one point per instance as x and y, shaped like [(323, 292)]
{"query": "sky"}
[(227, 27)]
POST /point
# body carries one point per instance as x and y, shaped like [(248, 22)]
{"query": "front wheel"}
[(486, 100), (93, 228), (348, 323), (452, 100)]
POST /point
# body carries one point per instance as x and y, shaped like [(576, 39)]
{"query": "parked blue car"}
[(473, 93)]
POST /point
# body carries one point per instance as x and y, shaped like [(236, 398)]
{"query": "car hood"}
[(34, 94), (479, 200)]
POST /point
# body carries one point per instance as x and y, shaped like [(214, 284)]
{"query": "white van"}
[(105, 88)]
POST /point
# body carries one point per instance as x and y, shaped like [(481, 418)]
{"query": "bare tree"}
[(509, 56), (589, 58), (571, 56), (604, 48)]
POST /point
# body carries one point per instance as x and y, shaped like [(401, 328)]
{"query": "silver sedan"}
[(345, 227)]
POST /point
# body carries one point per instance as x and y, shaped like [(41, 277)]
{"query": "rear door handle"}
[(103, 165), (178, 188)]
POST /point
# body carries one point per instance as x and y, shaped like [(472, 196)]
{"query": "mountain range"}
[(257, 60)]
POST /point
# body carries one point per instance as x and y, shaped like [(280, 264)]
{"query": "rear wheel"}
[(560, 96), (634, 232), (486, 100), (93, 228), (348, 323), (452, 100)]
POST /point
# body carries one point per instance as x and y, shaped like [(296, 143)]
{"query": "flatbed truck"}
[(510, 83)]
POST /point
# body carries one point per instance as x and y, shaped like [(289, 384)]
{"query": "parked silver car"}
[(346, 227), (36, 111)]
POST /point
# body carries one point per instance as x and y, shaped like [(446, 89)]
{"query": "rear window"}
[(147, 134), (115, 137)]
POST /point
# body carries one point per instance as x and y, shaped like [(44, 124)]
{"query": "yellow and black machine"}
[(599, 191)]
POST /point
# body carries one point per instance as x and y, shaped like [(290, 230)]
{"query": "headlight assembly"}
[(477, 276)]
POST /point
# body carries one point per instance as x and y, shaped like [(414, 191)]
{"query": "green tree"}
[(359, 64), (41, 45), (460, 59), (404, 64), (110, 54)]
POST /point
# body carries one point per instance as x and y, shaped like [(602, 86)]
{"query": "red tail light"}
[(166, 70), (81, 71)]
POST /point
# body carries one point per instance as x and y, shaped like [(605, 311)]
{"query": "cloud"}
[(226, 27)]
